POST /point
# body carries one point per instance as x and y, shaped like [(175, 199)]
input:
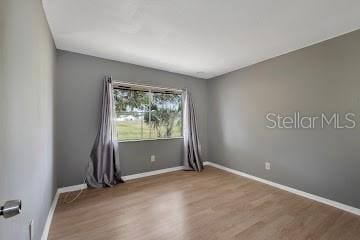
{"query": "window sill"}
[(145, 140)]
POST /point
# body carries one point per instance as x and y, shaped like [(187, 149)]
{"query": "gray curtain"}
[(104, 169), (192, 146)]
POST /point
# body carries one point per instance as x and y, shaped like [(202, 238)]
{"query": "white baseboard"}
[(50, 216), (72, 188), (151, 173), (326, 201)]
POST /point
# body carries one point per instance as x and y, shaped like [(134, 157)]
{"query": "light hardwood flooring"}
[(213, 204)]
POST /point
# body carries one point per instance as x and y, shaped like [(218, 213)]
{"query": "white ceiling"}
[(201, 38)]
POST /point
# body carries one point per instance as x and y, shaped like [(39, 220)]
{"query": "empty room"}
[(179, 120)]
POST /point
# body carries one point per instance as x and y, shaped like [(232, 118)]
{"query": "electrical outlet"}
[(267, 166), (31, 229), (152, 158)]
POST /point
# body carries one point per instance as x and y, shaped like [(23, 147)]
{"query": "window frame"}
[(150, 89)]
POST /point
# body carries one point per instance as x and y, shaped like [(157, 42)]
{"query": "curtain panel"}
[(192, 146), (104, 166)]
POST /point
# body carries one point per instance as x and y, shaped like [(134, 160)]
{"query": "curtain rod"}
[(146, 86)]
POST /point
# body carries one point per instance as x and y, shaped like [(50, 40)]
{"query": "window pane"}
[(131, 126), (131, 106), (131, 100), (166, 115)]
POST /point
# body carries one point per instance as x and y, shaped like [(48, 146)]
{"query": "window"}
[(144, 112)]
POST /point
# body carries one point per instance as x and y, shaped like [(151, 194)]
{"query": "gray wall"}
[(321, 78), (78, 94), (26, 115)]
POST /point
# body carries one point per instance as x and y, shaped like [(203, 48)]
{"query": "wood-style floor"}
[(210, 205)]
